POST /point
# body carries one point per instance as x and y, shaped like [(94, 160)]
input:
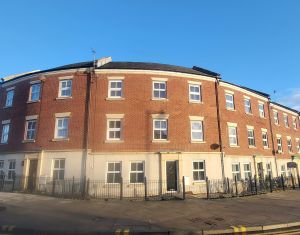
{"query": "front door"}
[(31, 183), (171, 169), (260, 169)]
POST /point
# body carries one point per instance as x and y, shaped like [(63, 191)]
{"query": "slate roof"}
[(285, 107)]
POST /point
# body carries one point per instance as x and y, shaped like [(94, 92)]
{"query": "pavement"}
[(43, 213)]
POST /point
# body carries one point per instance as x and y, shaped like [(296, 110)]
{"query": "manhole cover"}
[(2, 208)]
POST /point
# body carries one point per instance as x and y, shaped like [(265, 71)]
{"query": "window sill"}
[(262, 117), (28, 141), (252, 147), (234, 146), (113, 141), (3, 143), (161, 141), (6, 107), (60, 139), (266, 148), (195, 102), (197, 142), (64, 98), (32, 101), (199, 181), (117, 98), (231, 109), (251, 114), (159, 99)]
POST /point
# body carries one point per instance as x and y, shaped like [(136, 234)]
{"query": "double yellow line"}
[(239, 229), (119, 232)]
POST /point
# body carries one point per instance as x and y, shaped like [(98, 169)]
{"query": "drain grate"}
[(210, 223)]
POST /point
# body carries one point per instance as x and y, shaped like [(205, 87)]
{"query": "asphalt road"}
[(24, 211)]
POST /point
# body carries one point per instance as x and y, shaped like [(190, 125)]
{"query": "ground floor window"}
[(11, 169), (269, 169), (247, 170), (2, 174), (198, 170), (113, 172), (59, 169), (137, 172), (236, 172), (283, 172)]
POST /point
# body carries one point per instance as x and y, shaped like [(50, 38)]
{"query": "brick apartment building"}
[(105, 120)]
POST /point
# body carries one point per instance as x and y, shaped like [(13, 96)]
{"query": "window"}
[(298, 145), (283, 172), (289, 144), (276, 117), (229, 101), (232, 136), (195, 93), (251, 139), (159, 90), (199, 170), (269, 169), (295, 123), (5, 133), (236, 171), (35, 92), (247, 170), (114, 129), (11, 169), (261, 108), (30, 129), (113, 172), (247, 103), (9, 98), (2, 174), (265, 139), (65, 88), (137, 172), (115, 89), (62, 128), (59, 169), (279, 144), (197, 130), (160, 130), (286, 120)]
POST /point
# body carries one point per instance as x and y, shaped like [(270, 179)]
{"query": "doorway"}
[(172, 178), (31, 181)]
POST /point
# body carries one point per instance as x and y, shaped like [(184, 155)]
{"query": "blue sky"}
[(252, 43)]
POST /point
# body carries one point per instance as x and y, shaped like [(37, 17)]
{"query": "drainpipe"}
[(272, 139), (219, 127), (90, 74)]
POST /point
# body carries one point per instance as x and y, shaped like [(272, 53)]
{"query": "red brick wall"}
[(242, 119)]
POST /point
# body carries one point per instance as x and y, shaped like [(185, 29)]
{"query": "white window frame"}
[(159, 90), (286, 120), (229, 103), (9, 98), (269, 169), (236, 172), (61, 89), (5, 133), (247, 172), (261, 110), (59, 168), (114, 129), (251, 138), (31, 93), (113, 172), (279, 144), (115, 89), (276, 117), (136, 172), (199, 170), (289, 145), (295, 123), (11, 172), (197, 131), (248, 109), (193, 93), (233, 136), (265, 139), (160, 129), (32, 130), (56, 136)]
